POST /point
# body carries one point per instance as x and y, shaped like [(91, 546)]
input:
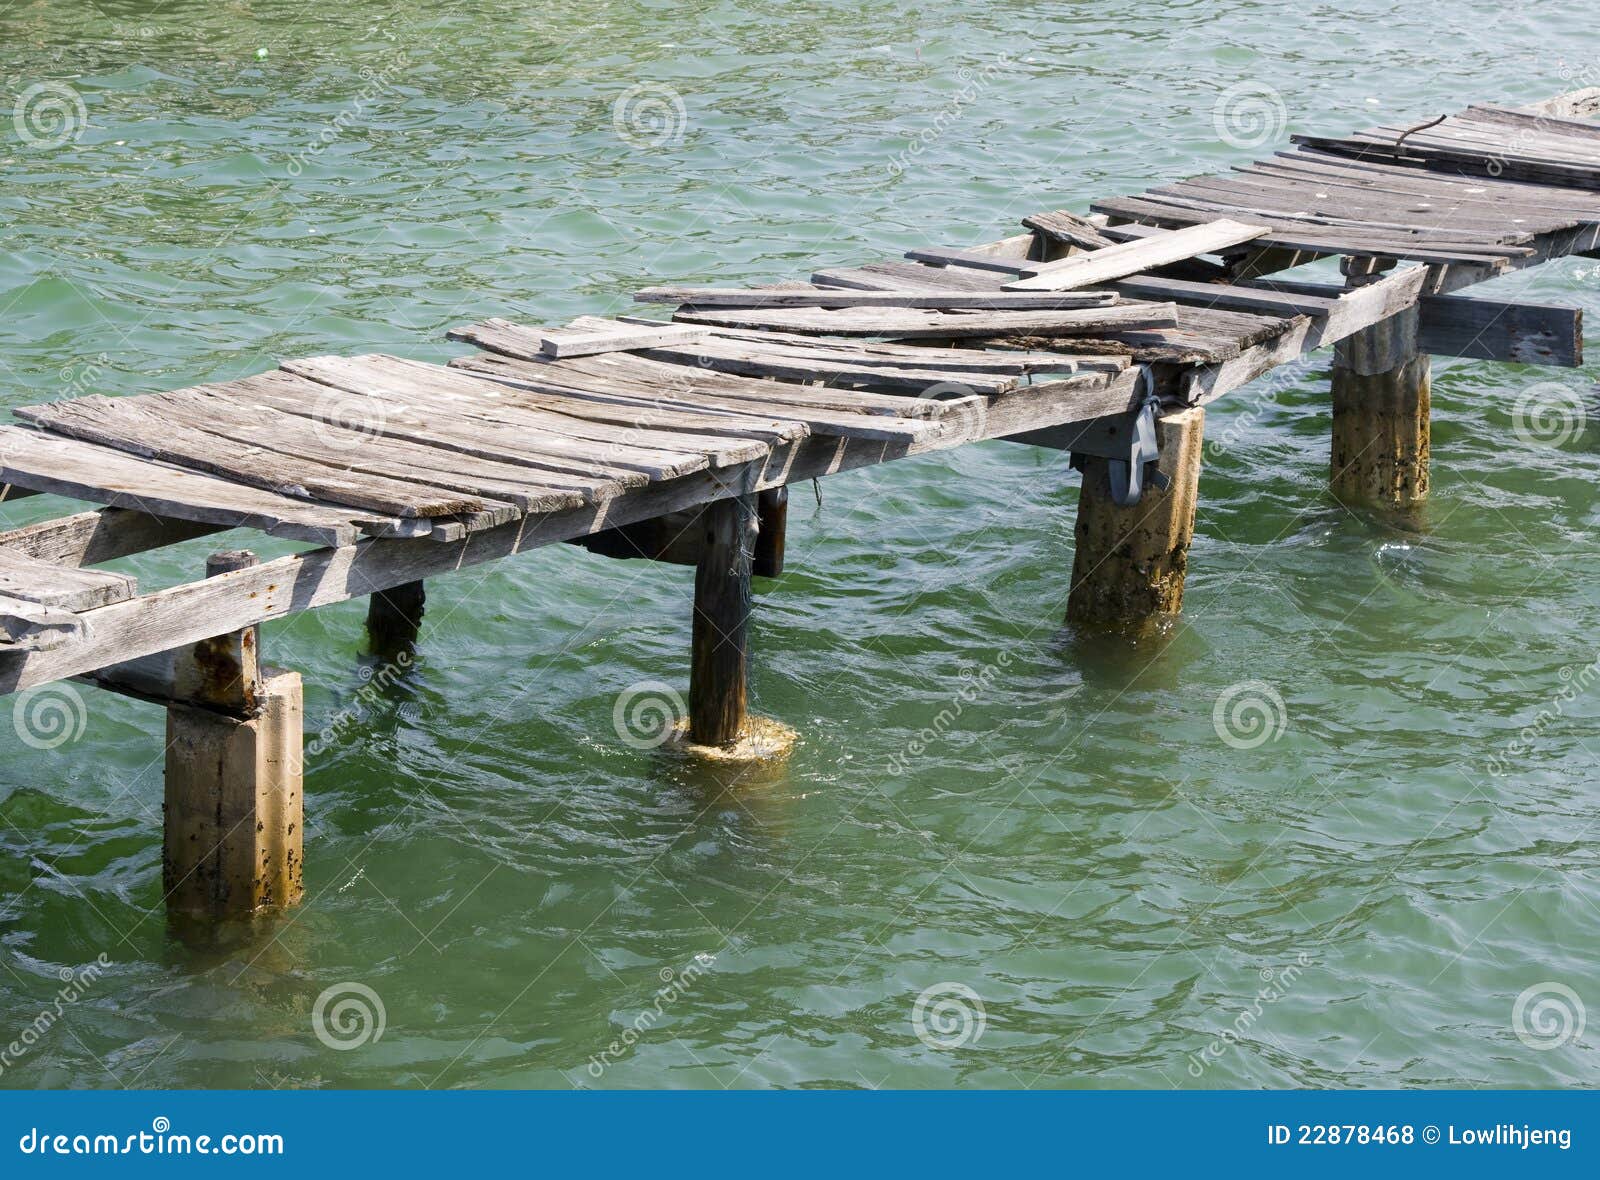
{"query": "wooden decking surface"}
[(604, 421)]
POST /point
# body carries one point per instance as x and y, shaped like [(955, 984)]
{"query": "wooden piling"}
[(1129, 565), (1381, 417), (718, 667), (234, 806), (394, 618)]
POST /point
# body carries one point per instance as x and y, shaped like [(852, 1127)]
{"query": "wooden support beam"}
[(222, 672), (235, 806), (718, 671), (1129, 564), (88, 538), (1480, 329), (303, 581), (677, 537), (394, 618), (1381, 415)]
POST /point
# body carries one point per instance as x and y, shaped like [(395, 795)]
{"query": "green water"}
[(1077, 845)]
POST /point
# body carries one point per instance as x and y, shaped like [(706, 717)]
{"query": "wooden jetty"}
[(1102, 335)]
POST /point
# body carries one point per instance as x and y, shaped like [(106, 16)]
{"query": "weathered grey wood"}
[(1115, 262), (1226, 296), (1352, 311), (1068, 228), (234, 806), (32, 627), (564, 343), (914, 323), (897, 275), (168, 618), (1572, 104), (703, 297), (973, 260), (131, 425), (719, 664), (87, 538), (1485, 329), (222, 671), (70, 467), (65, 587)]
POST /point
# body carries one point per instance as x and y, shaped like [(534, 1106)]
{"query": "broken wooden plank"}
[(938, 256), (1069, 229), (87, 538), (1225, 295), (704, 297), (915, 323), (31, 627), (1115, 262), (562, 343), (64, 587)]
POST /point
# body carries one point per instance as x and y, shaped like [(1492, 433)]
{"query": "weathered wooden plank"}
[(704, 297), (1485, 329), (693, 393), (563, 343), (1225, 296), (87, 538), (32, 627), (943, 256), (1115, 262), (1572, 104), (65, 587), (897, 275), (1059, 225), (1352, 311), (131, 425), (915, 323), (184, 614), (102, 475)]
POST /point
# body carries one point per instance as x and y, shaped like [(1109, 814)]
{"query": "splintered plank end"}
[(562, 344)]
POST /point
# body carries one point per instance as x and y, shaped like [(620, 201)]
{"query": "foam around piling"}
[(760, 740)]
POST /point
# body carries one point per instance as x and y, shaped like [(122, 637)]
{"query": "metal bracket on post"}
[(1127, 470)]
